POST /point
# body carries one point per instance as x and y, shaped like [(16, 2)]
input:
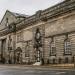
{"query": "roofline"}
[(56, 11), (52, 12), (5, 14)]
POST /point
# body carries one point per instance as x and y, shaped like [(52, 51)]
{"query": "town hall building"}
[(48, 36)]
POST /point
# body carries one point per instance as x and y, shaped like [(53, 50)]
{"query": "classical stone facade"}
[(47, 36)]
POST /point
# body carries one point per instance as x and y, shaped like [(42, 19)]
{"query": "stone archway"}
[(18, 55)]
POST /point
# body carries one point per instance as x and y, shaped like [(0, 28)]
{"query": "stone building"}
[(47, 36)]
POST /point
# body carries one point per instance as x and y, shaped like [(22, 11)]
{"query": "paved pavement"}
[(20, 70)]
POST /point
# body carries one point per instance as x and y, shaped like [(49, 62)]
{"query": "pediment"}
[(11, 18)]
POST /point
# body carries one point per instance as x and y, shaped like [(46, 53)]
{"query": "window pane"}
[(27, 50), (67, 47), (53, 49)]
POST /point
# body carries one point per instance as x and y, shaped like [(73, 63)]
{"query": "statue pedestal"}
[(38, 63)]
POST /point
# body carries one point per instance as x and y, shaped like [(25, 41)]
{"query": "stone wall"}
[(60, 25), (56, 28)]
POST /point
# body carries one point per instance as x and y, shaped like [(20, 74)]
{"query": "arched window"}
[(67, 46), (52, 48)]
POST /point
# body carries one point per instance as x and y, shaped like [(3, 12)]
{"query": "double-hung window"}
[(52, 49), (67, 47)]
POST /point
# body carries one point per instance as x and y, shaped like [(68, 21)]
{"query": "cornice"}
[(43, 15)]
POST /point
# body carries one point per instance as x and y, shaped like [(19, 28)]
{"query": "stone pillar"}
[(6, 51), (14, 45)]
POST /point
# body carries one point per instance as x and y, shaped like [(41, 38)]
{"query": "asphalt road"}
[(28, 71)]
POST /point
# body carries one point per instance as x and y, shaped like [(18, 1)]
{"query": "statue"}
[(38, 44)]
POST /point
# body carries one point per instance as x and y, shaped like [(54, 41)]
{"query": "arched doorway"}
[(18, 56)]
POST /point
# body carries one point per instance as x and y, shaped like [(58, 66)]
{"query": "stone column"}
[(6, 51), (14, 45)]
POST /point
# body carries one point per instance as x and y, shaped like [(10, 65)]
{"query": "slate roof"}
[(19, 15)]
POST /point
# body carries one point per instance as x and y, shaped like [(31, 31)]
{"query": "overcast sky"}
[(27, 7)]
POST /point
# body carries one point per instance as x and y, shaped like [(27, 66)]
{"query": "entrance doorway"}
[(3, 45), (18, 56)]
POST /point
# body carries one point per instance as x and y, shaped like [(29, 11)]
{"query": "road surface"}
[(32, 71)]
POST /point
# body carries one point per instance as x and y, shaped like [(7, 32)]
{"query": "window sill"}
[(67, 54)]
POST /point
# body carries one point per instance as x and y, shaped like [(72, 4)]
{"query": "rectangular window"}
[(67, 48), (27, 50), (52, 49), (19, 37)]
